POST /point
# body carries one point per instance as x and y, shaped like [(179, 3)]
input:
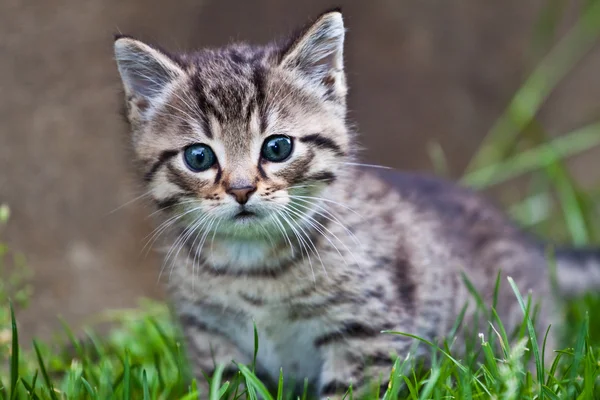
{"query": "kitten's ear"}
[(145, 71), (318, 52)]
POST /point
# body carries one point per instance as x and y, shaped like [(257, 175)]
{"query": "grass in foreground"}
[(143, 358)]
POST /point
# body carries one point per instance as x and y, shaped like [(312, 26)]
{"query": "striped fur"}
[(324, 255)]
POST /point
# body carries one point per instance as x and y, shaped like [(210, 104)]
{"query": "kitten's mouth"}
[(245, 214)]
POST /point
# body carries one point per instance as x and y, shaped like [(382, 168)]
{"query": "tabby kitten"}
[(247, 153)]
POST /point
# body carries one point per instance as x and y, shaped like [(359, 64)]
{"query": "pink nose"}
[(242, 194)]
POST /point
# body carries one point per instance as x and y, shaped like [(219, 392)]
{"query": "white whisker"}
[(130, 202), (317, 226), (283, 231), (333, 218), (327, 201), (162, 227), (368, 165), (301, 242), (180, 203)]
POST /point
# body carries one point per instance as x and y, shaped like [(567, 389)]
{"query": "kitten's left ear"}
[(145, 71), (318, 53)]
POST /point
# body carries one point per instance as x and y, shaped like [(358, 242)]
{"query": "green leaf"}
[(145, 388), (533, 337), (215, 382), (14, 358), (253, 382), (89, 388), (44, 372), (255, 347), (537, 158), (126, 377), (280, 385)]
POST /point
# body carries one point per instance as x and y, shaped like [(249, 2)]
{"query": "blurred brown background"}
[(419, 70)]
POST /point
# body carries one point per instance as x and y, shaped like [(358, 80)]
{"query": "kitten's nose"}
[(242, 194)]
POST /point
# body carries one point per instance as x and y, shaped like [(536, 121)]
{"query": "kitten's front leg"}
[(363, 363), (206, 349)]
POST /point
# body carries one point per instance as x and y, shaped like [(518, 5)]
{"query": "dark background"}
[(419, 71)]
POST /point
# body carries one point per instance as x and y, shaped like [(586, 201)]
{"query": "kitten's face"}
[(241, 139)]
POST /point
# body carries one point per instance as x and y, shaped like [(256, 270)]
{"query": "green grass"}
[(142, 356)]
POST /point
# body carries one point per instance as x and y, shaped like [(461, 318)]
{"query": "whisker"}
[(129, 202), (333, 218), (180, 203), (327, 201), (301, 242), (197, 252), (171, 248), (180, 242), (368, 165), (309, 240), (320, 231), (212, 241), (267, 234), (283, 231), (154, 235), (317, 225), (196, 257), (164, 224)]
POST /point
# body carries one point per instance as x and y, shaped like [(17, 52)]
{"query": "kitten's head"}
[(230, 137)]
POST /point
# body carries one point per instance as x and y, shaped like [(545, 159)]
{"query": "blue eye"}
[(277, 148), (199, 157)]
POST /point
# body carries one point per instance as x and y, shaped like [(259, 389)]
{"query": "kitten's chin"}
[(238, 255)]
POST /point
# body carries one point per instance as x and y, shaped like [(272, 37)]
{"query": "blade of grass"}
[(223, 389), (305, 389), (76, 344), (216, 382), (533, 338), (431, 382), (44, 372), (580, 346), (253, 381), (544, 344), (280, 385), (145, 388), (126, 377), (569, 202), (255, 347), (14, 357), (536, 158), (30, 389), (435, 347), (392, 389), (34, 380), (473, 291)]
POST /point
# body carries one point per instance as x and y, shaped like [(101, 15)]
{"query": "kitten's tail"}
[(577, 270)]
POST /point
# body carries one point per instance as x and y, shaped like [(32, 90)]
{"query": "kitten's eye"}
[(277, 148), (199, 157)]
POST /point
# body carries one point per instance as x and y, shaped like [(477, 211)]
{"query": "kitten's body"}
[(331, 254)]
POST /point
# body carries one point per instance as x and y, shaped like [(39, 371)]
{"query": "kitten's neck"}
[(241, 254)]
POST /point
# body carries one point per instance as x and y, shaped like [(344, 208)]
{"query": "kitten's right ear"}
[(145, 71)]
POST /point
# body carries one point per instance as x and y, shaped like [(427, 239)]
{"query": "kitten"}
[(248, 154)]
